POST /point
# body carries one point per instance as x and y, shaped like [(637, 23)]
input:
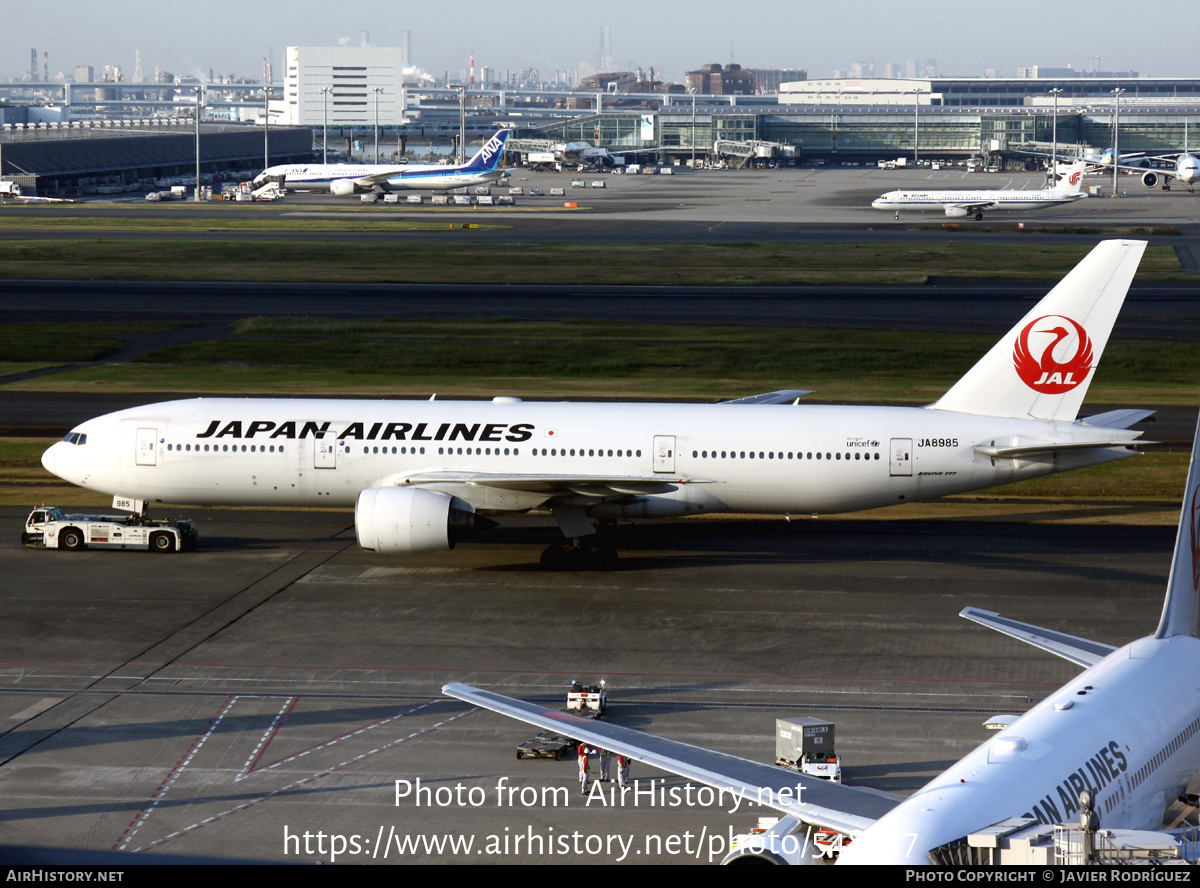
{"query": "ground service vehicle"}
[(590, 701), (48, 527), (547, 744), (805, 744)]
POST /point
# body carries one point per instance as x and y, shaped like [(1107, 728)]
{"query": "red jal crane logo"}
[(1036, 362)]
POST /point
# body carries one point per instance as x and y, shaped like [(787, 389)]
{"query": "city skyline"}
[(671, 38)]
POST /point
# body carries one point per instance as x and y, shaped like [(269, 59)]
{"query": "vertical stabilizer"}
[(1183, 588), (489, 156), (1043, 366), (1072, 180)]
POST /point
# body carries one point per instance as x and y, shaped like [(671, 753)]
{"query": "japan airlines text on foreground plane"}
[(420, 474), (343, 179), (1127, 730), (960, 204)]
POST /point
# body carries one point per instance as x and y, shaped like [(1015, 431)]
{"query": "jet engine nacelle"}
[(957, 212), (1150, 179), (342, 187), (779, 847), (405, 520)]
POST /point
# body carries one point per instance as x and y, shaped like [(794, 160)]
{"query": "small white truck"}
[(590, 701), (48, 527)]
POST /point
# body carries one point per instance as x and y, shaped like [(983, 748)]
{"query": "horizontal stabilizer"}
[(1079, 651), (783, 396), (1035, 449), (846, 809), (1118, 419)]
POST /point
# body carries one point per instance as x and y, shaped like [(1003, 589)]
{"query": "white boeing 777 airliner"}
[(421, 474), (1127, 731)]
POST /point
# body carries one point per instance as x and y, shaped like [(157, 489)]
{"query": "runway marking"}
[(172, 775), (189, 755), (36, 708)]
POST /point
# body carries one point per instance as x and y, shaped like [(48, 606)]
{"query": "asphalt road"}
[(280, 680)]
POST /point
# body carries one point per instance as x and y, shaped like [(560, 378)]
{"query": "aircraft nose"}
[(49, 458)]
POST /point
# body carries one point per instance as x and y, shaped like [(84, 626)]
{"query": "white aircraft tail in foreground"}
[(1127, 731), (422, 474)]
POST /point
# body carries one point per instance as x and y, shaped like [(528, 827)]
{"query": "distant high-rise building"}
[(84, 74), (340, 82), (606, 58), (769, 79)]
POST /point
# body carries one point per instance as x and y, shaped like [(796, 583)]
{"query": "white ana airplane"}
[(422, 474), (960, 204), (344, 179), (1126, 730)]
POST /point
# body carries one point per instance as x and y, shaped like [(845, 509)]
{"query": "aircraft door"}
[(147, 447), (664, 453), (901, 457), (324, 453)]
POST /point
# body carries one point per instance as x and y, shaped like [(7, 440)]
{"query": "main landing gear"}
[(587, 550)]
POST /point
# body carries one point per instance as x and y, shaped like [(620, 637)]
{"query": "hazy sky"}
[(671, 36)]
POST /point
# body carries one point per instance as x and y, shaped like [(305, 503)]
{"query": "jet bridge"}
[(754, 152)]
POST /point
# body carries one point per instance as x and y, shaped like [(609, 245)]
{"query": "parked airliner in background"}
[(344, 179), (422, 474), (960, 204), (1127, 730), (1186, 169)]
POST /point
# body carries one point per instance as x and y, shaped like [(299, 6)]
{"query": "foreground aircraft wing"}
[(599, 485), (846, 809), (783, 396), (1079, 651)]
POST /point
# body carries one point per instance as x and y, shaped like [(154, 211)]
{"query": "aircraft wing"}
[(1079, 651), (554, 485), (976, 207), (783, 396), (378, 178), (846, 809)]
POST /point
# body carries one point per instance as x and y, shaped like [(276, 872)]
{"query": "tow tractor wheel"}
[(162, 542), (71, 539)]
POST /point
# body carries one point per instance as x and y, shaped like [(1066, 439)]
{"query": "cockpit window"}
[(76, 438)]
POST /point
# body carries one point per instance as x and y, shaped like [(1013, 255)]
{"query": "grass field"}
[(471, 260), (579, 359)]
